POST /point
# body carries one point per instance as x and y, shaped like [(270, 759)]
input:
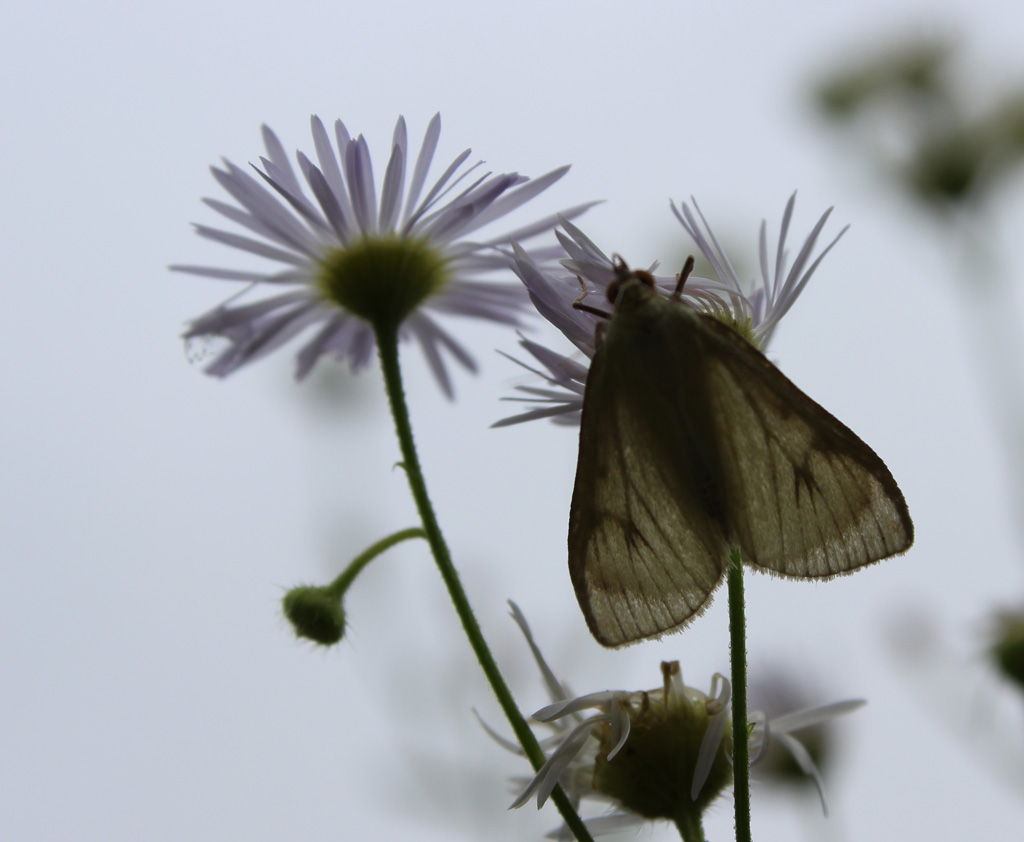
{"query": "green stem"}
[(740, 742), (690, 827), (340, 585), (387, 344)]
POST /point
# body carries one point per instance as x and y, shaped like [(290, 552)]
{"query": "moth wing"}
[(805, 496), (644, 555)]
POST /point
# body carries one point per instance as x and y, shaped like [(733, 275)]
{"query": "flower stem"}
[(690, 827), (340, 585), (387, 344), (740, 741)]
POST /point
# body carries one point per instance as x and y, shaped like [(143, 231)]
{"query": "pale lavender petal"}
[(359, 173), (517, 197), (400, 137), (542, 226), (436, 191), (331, 169), (554, 412), (343, 138), (444, 227), (222, 319), (328, 200), (293, 196), (247, 244), (427, 329), (460, 302), (391, 192), (423, 161), (255, 198), (553, 298), (287, 277), (581, 248), (564, 370), (780, 251), (262, 338), (247, 220), (331, 333), (363, 347), (455, 221), (276, 153)]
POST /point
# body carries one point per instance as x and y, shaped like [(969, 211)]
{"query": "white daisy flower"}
[(753, 310), (349, 260), (655, 754)]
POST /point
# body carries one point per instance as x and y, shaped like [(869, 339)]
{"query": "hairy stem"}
[(690, 827), (340, 585), (387, 343), (740, 743)]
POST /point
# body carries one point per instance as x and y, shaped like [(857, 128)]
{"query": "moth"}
[(693, 444)]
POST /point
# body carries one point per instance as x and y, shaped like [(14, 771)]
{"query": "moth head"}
[(623, 274)]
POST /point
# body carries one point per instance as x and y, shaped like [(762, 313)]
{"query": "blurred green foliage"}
[(912, 109)]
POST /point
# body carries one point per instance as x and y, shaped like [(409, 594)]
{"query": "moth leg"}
[(586, 308)]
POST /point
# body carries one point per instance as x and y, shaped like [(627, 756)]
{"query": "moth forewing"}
[(644, 552), (692, 442)]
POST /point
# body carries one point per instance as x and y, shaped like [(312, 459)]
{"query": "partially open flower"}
[(656, 754), (350, 261), (659, 754)]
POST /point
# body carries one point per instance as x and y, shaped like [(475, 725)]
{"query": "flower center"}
[(382, 280), (742, 325), (653, 774)]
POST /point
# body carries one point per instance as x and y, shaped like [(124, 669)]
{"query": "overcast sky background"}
[(151, 517)]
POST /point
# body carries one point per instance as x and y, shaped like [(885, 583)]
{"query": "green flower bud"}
[(315, 613)]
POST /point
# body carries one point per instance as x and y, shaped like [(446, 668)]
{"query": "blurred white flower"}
[(754, 311), (349, 259)]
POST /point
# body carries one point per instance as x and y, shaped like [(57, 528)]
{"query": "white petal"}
[(808, 717)]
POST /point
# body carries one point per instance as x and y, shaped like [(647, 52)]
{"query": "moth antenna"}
[(621, 268), (682, 276), (586, 308)]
